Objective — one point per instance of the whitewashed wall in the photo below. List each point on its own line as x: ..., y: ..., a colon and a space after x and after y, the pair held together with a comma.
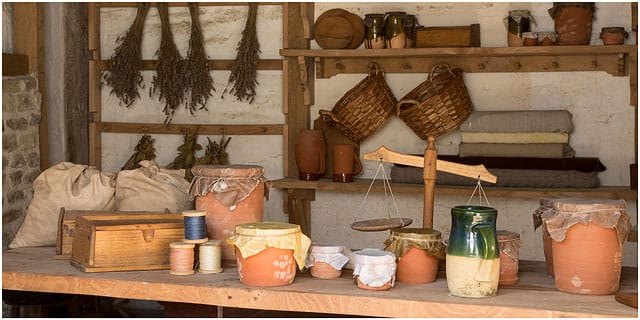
x: 603, y: 118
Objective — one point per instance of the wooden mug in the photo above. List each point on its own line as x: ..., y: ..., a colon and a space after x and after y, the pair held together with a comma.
x: 346, y: 163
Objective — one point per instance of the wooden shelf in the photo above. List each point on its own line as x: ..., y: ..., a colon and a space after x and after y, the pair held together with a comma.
x: 34, y: 269
x: 362, y: 185
x: 611, y: 59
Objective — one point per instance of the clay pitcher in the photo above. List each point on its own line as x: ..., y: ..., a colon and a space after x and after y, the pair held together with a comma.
x: 310, y: 152
x: 473, y: 257
x: 346, y: 163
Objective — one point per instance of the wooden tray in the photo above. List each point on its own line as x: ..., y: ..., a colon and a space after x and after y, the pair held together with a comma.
x: 381, y: 224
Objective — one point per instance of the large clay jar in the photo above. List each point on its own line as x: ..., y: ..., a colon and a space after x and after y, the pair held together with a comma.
x: 573, y: 22
x: 509, y: 244
x: 588, y: 235
x: 268, y: 252
x: 231, y: 195
x: 326, y: 260
x: 374, y: 269
x: 310, y: 154
x: 419, y: 251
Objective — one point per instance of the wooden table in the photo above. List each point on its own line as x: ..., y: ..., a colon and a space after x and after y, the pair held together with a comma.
x: 34, y: 269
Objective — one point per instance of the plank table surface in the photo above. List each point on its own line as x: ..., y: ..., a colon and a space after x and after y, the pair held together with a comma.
x: 35, y: 269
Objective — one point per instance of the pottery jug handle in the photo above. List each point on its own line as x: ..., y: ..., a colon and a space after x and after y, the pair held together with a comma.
x: 488, y: 238
x: 357, y: 164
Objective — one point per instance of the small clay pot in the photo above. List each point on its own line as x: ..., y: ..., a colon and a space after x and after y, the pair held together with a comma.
x: 529, y: 39
x: 323, y: 270
x: 271, y: 267
x: 415, y: 266
x: 385, y: 286
x: 546, y: 38
x: 613, y: 35
x: 509, y: 243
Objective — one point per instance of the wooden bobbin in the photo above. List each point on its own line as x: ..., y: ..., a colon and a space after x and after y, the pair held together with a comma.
x: 181, y: 258
x: 196, y: 214
x: 210, y: 257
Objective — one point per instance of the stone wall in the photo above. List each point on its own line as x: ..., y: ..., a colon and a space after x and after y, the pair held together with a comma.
x: 20, y: 150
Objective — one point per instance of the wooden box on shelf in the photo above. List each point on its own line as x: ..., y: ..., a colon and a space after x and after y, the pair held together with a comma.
x: 125, y: 242
x: 460, y: 36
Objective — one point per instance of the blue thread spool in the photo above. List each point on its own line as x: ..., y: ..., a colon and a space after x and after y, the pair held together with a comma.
x: 195, y: 226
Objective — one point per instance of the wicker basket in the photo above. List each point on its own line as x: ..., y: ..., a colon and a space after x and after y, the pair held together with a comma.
x: 364, y: 108
x: 438, y: 105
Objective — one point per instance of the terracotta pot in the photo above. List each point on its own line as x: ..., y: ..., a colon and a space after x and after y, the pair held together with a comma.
x: 385, y: 286
x: 271, y: 267
x: 573, y: 22
x: 509, y: 243
x: 324, y: 270
x: 415, y: 266
x: 588, y: 261
x: 613, y: 35
x: 346, y: 163
x: 310, y: 153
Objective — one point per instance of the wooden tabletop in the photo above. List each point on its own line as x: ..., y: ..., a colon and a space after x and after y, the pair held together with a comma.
x: 34, y: 269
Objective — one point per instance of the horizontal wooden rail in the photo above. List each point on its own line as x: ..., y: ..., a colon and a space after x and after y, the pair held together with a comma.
x: 244, y: 129
x: 265, y: 64
x: 182, y: 4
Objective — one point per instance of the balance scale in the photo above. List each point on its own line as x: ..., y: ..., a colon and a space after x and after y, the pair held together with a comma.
x: 431, y: 164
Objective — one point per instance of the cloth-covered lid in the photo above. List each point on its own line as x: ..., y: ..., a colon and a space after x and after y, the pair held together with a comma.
x: 333, y: 254
x: 326, y: 248
x: 504, y: 235
x: 402, y: 239
x: 230, y: 184
x: 225, y: 171
x: 374, y: 267
x: 373, y: 256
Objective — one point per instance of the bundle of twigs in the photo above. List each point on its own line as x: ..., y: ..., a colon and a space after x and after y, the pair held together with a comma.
x: 215, y: 153
x: 124, y: 75
x: 144, y: 150
x: 186, y: 157
x: 170, y: 76
x: 197, y: 73
x: 243, y: 71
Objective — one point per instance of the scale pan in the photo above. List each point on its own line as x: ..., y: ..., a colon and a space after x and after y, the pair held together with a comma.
x: 381, y: 224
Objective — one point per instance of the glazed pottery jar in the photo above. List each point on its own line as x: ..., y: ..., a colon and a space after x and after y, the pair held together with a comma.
x: 410, y: 24
x: 588, y: 235
x: 374, y: 31
x: 374, y: 269
x: 573, y: 22
x: 419, y: 250
x: 613, y: 35
x: 473, y: 258
x: 268, y: 252
x: 518, y: 22
x: 325, y: 261
x: 231, y: 195
x: 310, y: 151
x: 394, y: 30
x: 509, y: 244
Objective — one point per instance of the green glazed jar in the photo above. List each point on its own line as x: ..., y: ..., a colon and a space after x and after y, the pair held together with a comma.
x: 473, y: 256
x: 374, y: 31
x: 394, y: 29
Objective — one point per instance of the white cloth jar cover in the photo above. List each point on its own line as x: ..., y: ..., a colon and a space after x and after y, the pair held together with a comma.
x: 375, y: 267
x: 332, y: 254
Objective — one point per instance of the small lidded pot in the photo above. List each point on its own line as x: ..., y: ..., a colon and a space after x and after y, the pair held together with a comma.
x: 546, y: 38
x: 613, y: 35
x: 509, y: 244
x: 530, y: 39
x: 325, y: 261
x: 374, y: 269
x: 419, y: 251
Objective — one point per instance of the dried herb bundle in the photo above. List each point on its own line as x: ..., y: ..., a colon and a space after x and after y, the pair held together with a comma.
x: 215, y: 153
x: 196, y: 70
x: 124, y: 75
x: 243, y: 71
x: 144, y: 150
x: 170, y: 76
x: 186, y: 157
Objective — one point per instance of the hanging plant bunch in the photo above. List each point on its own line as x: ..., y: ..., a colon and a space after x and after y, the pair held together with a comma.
x: 144, y: 150
x: 243, y: 70
x: 215, y: 153
x: 197, y: 71
x: 124, y: 75
x: 170, y: 80
x: 186, y: 157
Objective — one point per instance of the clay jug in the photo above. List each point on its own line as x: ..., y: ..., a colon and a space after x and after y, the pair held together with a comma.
x: 473, y: 258
x: 310, y: 153
x: 346, y: 163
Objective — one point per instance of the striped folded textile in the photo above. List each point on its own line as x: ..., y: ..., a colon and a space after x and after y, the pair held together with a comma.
x: 515, y: 137
x: 525, y: 150
x: 519, y: 121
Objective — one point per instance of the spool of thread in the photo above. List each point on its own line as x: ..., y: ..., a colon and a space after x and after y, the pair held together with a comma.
x: 195, y: 226
x: 210, y: 257
x: 181, y: 257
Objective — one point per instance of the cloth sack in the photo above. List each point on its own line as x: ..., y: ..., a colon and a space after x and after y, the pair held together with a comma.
x: 152, y: 188
x: 68, y: 185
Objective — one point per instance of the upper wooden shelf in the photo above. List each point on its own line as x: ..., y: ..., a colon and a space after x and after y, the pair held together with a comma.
x: 610, y: 59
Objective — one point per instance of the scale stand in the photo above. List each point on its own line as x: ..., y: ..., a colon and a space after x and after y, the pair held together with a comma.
x: 431, y: 164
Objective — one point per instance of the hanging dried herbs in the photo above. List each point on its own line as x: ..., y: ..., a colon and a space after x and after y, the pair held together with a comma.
x: 124, y: 75
x: 169, y: 80
x: 197, y: 73
x: 186, y: 157
x: 144, y: 150
x: 215, y: 153
x: 243, y: 71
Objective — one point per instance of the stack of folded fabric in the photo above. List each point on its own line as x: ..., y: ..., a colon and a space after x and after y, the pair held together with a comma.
x: 522, y: 148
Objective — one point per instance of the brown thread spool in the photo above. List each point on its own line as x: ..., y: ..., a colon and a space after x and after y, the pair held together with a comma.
x: 181, y: 257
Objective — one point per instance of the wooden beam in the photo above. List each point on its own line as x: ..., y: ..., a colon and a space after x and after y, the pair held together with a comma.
x: 265, y: 64
x: 122, y: 127
x: 15, y: 64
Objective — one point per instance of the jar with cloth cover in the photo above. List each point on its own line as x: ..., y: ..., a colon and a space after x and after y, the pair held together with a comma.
x: 268, y: 252
x: 374, y: 269
x: 509, y: 244
x: 543, y: 212
x: 231, y: 195
x: 325, y: 261
x: 419, y: 251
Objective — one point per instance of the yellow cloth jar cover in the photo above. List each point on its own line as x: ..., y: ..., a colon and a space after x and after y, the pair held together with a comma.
x: 252, y: 238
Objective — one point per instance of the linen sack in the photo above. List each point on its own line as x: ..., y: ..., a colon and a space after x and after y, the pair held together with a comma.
x: 152, y: 188
x: 68, y: 185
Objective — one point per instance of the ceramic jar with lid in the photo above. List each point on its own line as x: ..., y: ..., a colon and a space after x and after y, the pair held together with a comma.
x: 613, y: 35
x: 325, y: 261
x: 546, y: 38
x: 529, y: 39
x: 374, y: 269
x: 374, y: 25
x: 509, y: 244
x: 419, y: 251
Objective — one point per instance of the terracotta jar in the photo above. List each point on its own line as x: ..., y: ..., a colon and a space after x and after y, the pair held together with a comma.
x: 544, y: 211
x: 374, y: 31
x: 231, y: 195
x: 509, y: 244
x: 346, y: 163
x: 326, y: 260
x: 310, y: 151
x: 588, y: 235
x: 374, y: 269
x: 419, y: 251
x: 613, y: 35
x: 573, y: 22
x: 395, y: 35
x: 530, y: 39
x: 268, y: 252
x: 546, y: 38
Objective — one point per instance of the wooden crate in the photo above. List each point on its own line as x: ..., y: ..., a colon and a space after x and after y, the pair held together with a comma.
x: 437, y: 37
x: 125, y: 242
x: 67, y: 225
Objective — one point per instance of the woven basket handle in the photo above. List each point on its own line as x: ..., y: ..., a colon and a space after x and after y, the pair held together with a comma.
x: 439, y: 66
x: 374, y: 69
x: 405, y: 101
x: 327, y: 113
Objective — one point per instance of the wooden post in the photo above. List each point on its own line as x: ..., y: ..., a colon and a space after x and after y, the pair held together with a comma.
x: 429, y: 177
